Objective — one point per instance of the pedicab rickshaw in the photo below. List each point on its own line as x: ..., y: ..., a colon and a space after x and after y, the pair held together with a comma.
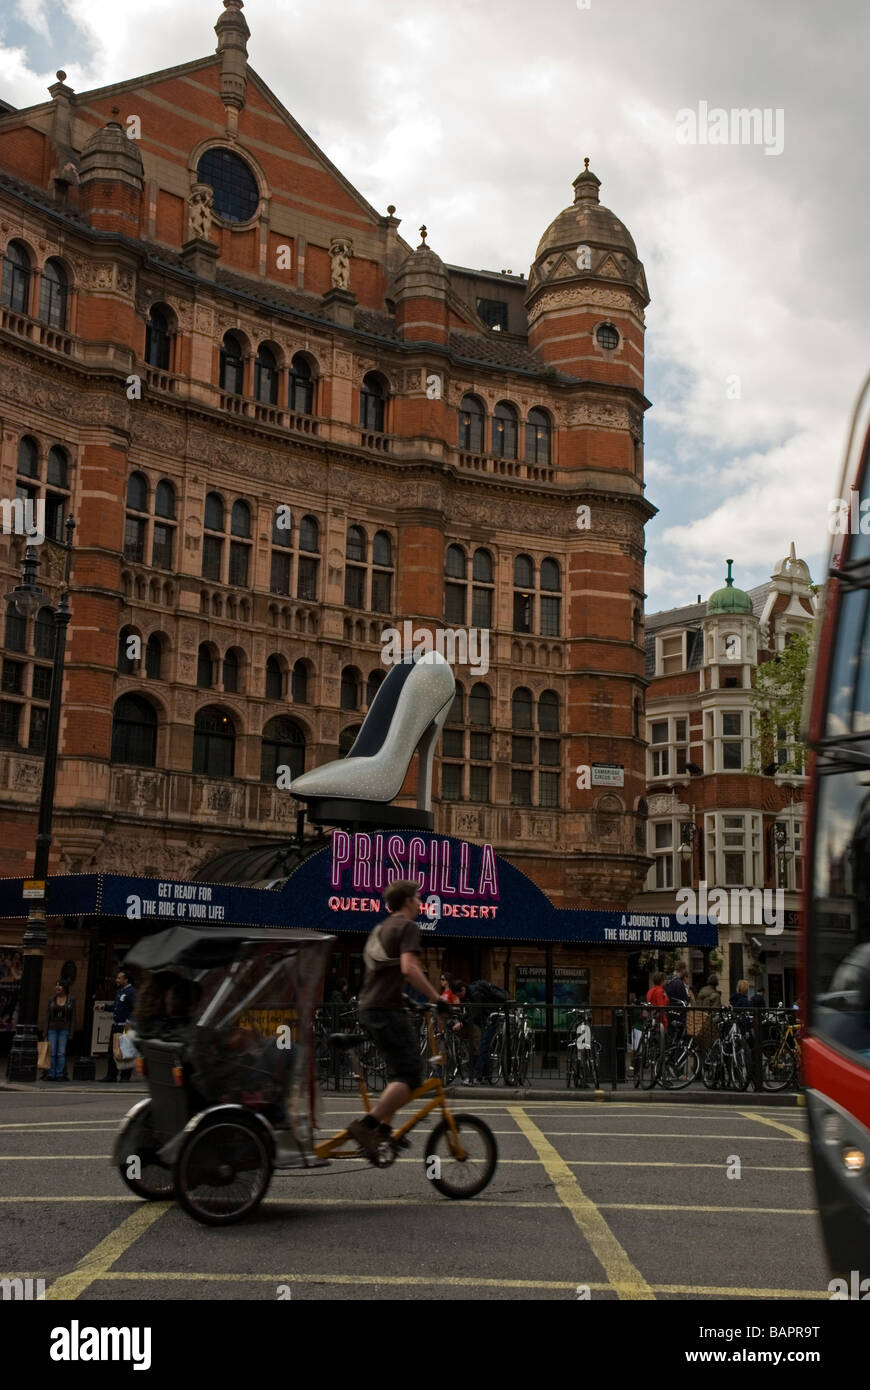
x: 231, y: 1084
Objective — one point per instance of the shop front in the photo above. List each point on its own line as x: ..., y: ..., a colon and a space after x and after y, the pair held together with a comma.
x: 482, y: 918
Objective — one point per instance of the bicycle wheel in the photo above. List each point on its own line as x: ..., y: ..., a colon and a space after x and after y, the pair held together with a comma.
x: 647, y: 1065
x: 138, y: 1147
x: 777, y: 1066
x: 738, y: 1066
x: 711, y: 1067
x: 680, y: 1067
x: 571, y: 1068
x: 465, y: 1177
x: 223, y: 1170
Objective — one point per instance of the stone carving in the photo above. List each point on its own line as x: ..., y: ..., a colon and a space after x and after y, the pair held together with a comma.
x: 200, y: 210
x: 184, y: 315
x: 590, y: 294
x: 125, y: 280
x: 23, y: 386
x: 466, y: 823
x: 158, y: 435
x: 204, y: 318
x: 27, y: 775
x: 613, y: 417
x: 665, y: 804
x: 342, y: 363
x: 340, y: 252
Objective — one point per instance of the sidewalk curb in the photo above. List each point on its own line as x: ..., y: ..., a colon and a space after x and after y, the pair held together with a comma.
x: 791, y: 1100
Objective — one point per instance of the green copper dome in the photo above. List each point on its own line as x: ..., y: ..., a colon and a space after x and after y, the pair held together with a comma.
x: 729, y: 599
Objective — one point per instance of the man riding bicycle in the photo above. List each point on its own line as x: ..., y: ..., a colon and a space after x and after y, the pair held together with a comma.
x: 391, y: 958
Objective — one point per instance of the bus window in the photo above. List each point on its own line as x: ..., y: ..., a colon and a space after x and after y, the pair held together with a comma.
x: 839, y: 974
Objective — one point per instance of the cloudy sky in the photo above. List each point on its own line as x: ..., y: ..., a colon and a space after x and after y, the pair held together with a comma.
x: 475, y: 115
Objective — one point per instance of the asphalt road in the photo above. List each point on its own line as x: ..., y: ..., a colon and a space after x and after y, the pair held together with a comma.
x: 589, y: 1200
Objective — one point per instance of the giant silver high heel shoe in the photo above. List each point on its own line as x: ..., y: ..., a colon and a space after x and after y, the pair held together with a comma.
x: 407, y: 715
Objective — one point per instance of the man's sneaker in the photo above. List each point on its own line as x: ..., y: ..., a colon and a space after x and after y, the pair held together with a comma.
x: 368, y: 1139
x: 386, y: 1132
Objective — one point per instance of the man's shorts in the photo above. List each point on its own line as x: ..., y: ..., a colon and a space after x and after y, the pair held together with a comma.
x: 393, y: 1034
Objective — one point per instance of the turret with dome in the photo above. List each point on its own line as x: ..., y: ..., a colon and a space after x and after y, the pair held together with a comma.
x: 729, y: 599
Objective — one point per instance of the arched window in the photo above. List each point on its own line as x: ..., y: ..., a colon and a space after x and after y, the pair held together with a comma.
x: 53, y: 295
x: 548, y: 711
x: 231, y: 672
x: 354, y: 574
x: 551, y: 603
x: 308, y: 534
x: 347, y: 738
x: 204, y: 667
x: 236, y: 193
x: 57, y: 470
x: 129, y: 643
x: 214, y: 743
x: 471, y: 420
x: 349, y: 688
x: 504, y: 431
x: 482, y: 589
x: 521, y: 708
x: 382, y: 573
x: 300, y: 683
x: 164, y: 500
x: 372, y: 400
x: 274, y: 679
x: 134, y: 732
x: 232, y: 365
x: 154, y: 657
x: 538, y: 431
x: 266, y: 376
x: 28, y: 457
x: 43, y: 634
x: 137, y: 493
x: 479, y: 702
x: 15, y: 283
x: 301, y: 386
x: 524, y: 600
x: 457, y: 709
x: 373, y: 685
x: 157, y: 340
x: 214, y: 512
x: 454, y: 562
x: 240, y: 550
x: 283, y: 745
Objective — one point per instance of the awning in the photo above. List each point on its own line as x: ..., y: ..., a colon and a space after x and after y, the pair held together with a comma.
x: 469, y: 892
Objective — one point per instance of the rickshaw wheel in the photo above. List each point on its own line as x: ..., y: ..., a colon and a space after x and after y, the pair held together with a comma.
x: 461, y: 1178
x: 224, y: 1169
x: 156, y: 1182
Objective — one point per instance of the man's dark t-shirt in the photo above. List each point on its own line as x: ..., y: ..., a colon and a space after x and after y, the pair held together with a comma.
x: 382, y: 987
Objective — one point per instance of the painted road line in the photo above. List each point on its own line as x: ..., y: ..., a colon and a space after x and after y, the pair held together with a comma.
x: 452, y: 1281
x: 776, y: 1124
x: 665, y: 1209
x: 99, y: 1261
x: 622, y: 1275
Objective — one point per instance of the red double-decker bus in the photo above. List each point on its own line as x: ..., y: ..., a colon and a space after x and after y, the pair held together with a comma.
x: 836, y: 946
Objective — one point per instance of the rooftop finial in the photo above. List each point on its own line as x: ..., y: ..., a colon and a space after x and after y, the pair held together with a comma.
x: 586, y: 162
x: 729, y: 582
x: 423, y: 234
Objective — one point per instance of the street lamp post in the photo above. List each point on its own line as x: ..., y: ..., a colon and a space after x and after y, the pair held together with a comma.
x: 27, y: 597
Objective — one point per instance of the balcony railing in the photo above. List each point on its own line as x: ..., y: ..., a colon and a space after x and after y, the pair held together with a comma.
x: 504, y: 467
x: 35, y: 332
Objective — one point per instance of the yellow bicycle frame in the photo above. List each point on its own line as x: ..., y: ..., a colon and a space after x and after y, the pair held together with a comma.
x: 433, y: 1087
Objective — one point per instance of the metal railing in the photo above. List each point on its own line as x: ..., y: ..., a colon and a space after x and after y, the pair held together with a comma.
x: 584, y: 1046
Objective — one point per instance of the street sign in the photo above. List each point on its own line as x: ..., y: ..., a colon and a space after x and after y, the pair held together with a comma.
x: 34, y: 888
x: 608, y: 775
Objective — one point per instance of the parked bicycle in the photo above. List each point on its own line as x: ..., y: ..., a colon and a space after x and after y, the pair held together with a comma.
x: 512, y: 1046
x: 727, y: 1063
x: 781, y: 1051
x: 584, y: 1052
x: 667, y: 1054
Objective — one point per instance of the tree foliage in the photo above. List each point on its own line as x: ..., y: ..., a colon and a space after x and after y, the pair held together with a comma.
x: 778, y: 698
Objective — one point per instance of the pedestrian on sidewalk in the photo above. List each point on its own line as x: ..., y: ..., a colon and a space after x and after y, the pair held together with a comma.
x: 122, y: 1009
x: 59, y: 1025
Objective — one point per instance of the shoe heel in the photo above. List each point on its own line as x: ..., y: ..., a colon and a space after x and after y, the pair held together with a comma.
x: 426, y: 752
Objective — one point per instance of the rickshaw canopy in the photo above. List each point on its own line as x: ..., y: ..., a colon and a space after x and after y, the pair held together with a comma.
x: 205, y: 948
